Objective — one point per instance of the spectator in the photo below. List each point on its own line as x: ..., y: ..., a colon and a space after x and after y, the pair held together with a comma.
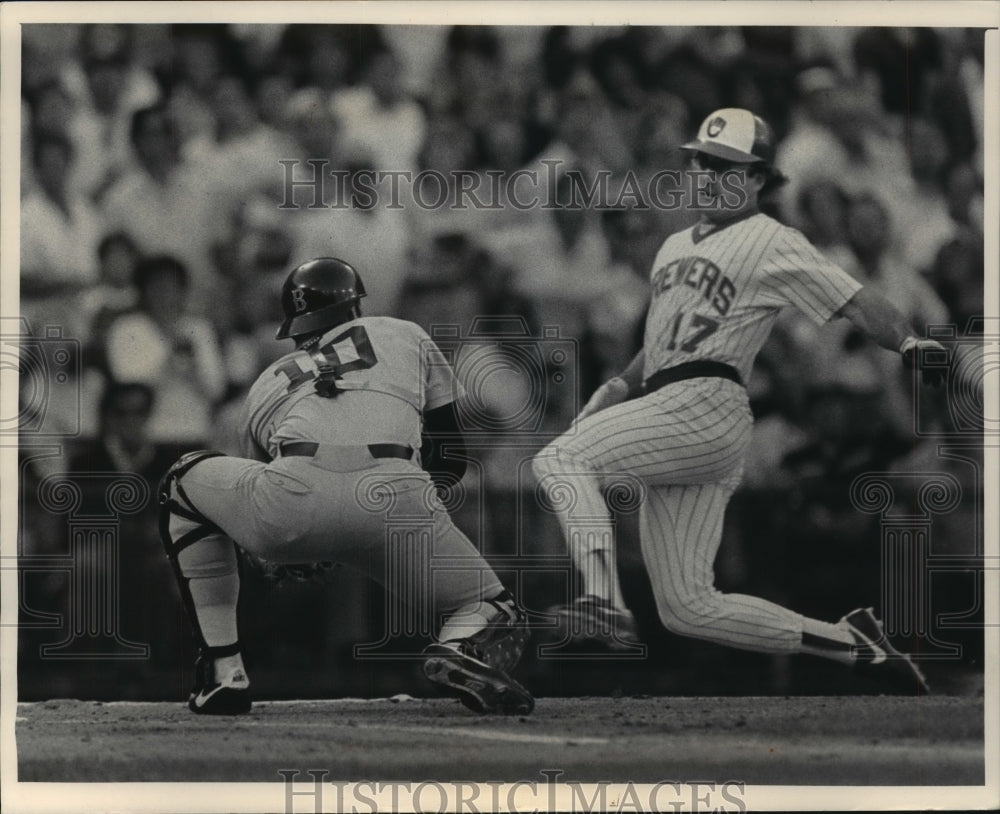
x: 947, y: 101
x: 615, y: 66
x: 563, y: 266
x: 242, y: 157
x: 664, y: 126
x: 59, y: 236
x: 619, y: 309
x: 164, y: 206
x: 900, y: 61
x: 164, y: 345
x: 142, y: 573
x: 441, y: 284
x: 108, y: 86
x: 362, y: 227
x: 449, y: 145
x: 471, y: 69
x: 272, y: 90
x: 379, y: 118
x: 834, y: 134
x: 586, y: 126
x: 921, y: 207
x: 957, y: 275
x: 113, y: 295
x: 337, y: 55
x: 52, y: 109
x: 419, y: 49
x: 691, y: 70
x: 266, y: 256
x: 831, y: 358
x: 315, y: 131
x: 871, y: 237
x: 964, y: 191
x: 46, y: 110
x: 123, y: 443
x: 822, y: 216
x: 762, y: 76
x: 199, y: 55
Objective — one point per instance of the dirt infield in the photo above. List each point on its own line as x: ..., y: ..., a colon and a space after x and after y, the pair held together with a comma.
x: 788, y: 741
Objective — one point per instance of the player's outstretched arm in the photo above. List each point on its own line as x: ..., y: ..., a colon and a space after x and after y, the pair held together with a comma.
x: 622, y: 387
x: 882, y: 322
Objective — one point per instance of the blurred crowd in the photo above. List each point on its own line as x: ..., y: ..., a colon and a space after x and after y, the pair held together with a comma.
x: 157, y: 222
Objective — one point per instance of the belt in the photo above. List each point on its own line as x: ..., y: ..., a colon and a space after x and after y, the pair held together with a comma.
x: 691, y: 370
x: 307, y: 449
x: 343, y: 458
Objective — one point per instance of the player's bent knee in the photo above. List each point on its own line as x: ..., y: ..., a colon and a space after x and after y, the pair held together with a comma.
x: 175, y: 505
x: 687, y: 616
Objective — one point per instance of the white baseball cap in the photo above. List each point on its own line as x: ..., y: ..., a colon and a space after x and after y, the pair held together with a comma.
x: 734, y: 134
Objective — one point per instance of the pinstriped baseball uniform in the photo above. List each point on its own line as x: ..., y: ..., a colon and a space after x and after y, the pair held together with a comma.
x: 716, y: 293
x: 331, y: 506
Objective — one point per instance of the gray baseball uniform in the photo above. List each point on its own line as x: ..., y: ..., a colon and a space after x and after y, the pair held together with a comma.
x: 322, y: 475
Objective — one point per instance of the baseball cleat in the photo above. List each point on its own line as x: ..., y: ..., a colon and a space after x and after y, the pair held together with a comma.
x: 231, y: 696
x: 501, y: 643
x: 592, y: 619
x: 875, y: 655
x: 479, y: 687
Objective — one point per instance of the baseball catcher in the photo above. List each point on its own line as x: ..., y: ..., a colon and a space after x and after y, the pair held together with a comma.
x: 344, y: 428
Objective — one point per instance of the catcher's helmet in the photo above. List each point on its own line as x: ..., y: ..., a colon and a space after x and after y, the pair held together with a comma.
x: 736, y: 135
x: 318, y: 294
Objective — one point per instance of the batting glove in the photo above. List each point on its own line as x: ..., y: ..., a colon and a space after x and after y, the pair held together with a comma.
x: 613, y: 391
x: 928, y: 356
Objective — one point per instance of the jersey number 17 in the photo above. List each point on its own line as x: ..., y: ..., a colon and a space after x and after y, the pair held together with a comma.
x: 696, y: 331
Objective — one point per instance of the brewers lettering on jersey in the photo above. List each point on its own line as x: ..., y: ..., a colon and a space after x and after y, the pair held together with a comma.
x: 342, y: 429
x: 679, y: 417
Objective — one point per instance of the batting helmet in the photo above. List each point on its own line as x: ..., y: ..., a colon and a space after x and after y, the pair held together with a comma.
x: 736, y: 135
x: 318, y: 294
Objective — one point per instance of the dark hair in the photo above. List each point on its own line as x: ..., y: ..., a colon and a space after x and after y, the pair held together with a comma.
x: 805, y: 195
x: 111, y: 239
x: 867, y: 198
x: 452, y: 242
x: 157, y: 266
x: 43, y: 140
x: 478, y: 39
x: 115, y: 392
x: 247, y: 81
x: 774, y: 178
x: 142, y: 116
x: 94, y: 51
x: 34, y: 97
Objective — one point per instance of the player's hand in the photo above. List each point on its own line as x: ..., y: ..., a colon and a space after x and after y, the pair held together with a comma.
x: 613, y: 391
x: 928, y: 356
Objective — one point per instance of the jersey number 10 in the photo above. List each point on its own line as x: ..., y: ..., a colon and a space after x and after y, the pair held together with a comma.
x: 350, y: 350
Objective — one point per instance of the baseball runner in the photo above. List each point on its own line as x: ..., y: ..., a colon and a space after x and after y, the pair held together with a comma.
x: 678, y: 416
x: 336, y: 433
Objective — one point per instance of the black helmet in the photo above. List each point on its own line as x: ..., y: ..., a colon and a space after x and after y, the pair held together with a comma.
x: 318, y: 294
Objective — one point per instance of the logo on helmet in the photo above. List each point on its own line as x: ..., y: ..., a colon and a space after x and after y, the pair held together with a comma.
x: 715, y: 126
x: 298, y: 299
